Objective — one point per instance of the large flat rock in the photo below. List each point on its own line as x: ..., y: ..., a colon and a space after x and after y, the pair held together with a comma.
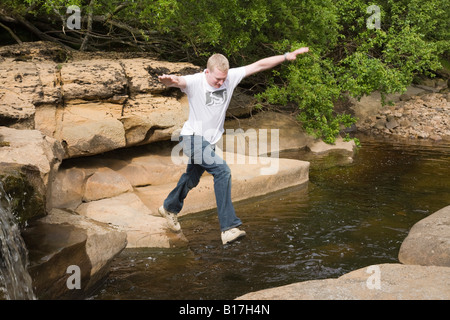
x: 254, y: 176
x: 395, y: 282
x: 128, y: 214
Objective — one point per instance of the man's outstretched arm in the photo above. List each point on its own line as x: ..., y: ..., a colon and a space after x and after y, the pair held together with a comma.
x: 271, y: 62
x: 172, y: 81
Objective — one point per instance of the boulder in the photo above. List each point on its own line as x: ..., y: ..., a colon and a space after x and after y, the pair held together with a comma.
x: 376, y: 282
x: 91, y: 128
x: 148, y: 118
x: 105, y: 183
x: 37, y: 155
x: 428, y: 241
x: 128, y: 214
x: 63, y: 239
x: 68, y: 188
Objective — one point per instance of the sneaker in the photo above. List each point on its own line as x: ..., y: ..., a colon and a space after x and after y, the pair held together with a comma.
x: 231, y: 235
x: 171, y: 218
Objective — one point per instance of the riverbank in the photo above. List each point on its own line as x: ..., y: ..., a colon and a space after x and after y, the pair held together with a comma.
x: 421, y: 113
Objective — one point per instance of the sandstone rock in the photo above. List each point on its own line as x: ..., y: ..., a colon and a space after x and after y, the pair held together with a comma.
x: 380, y: 124
x: 397, y: 282
x: 151, y: 169
x: 251, y: 177
x: 391, y: 124
x: 105, y: 183
x: 50, y: 91
x: 143, y: 73
x: 64, y: 98
x: 64, y: 239
x: 48, y: 118
x: 405, y: 97
x: 51, y: 250
x: 68, y: 188
x: 19, y: 83
x: 428, y: 241
x: 93, y: 79
x: 128, y: 214
x: 149, y: 118
x: 91, y: 128
x: 242, y: 135
x: 16, y: 110
x: 24, y: 86
x: 32, y: 149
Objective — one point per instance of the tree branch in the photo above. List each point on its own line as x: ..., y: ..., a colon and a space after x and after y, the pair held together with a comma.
x: 11, y: 33
x: 89, y: 26
x: 21, y: 20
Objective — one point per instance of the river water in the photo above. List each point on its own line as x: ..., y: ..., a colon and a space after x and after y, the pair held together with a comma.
x: 350, y: 215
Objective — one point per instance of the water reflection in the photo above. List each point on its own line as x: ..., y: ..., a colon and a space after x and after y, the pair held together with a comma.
x: 348, y: 216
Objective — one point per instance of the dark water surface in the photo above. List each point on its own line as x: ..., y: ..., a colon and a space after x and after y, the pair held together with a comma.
x: 347, y: 217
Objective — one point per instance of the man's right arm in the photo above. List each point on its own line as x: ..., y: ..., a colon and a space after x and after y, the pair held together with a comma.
x: 173, y: 81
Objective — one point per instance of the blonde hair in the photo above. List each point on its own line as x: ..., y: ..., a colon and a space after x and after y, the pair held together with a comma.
x: 218, y: 61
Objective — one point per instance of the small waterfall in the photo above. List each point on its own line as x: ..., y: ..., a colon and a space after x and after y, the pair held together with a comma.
x: 15, y: 281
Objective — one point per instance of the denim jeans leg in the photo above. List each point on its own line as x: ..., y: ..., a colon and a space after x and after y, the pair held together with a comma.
x: 221, y: 173
x: 203, y: 157
x: 188, y: 180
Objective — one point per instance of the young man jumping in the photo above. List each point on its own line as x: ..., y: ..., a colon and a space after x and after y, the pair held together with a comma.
x: 209, y: 95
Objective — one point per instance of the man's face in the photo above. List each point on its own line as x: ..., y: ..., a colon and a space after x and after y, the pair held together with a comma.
x: 216, y: 77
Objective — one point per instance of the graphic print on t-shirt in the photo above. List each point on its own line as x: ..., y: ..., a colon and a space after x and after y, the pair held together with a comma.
x: 216, y: 98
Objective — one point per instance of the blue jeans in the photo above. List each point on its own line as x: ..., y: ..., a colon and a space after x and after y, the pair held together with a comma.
x: 202, y: 157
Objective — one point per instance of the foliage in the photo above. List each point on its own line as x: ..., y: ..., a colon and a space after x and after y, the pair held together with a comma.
x: 346, y: 57
x: 311, y: 84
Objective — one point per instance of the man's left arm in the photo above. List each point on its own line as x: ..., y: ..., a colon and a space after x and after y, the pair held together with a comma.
x: 271, y: 62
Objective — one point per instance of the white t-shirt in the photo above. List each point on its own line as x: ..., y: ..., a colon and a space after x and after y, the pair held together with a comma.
x: 208, y: 105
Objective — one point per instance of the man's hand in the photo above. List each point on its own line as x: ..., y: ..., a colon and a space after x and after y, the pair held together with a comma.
x: 291, y: 56
x: 172, y: 81
x: 270, y: 62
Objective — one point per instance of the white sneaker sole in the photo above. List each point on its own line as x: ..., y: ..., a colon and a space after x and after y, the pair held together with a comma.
x: 241, y: 235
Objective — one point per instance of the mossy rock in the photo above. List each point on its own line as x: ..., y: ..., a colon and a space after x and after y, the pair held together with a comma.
x: 26, y: 197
